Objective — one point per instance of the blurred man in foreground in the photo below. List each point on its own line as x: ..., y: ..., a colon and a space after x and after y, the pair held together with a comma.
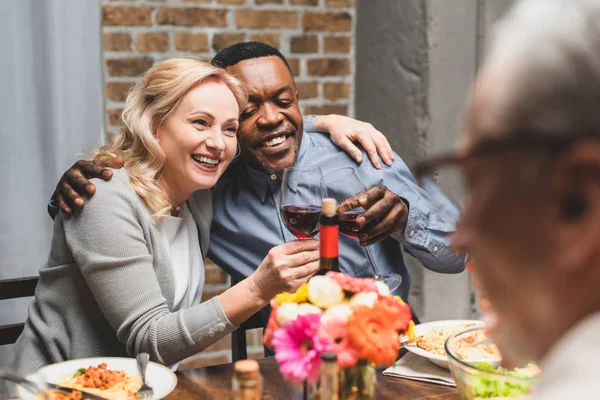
x: 530, y: 159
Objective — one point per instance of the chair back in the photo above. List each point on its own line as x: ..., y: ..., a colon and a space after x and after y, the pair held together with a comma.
x: 14, y: 289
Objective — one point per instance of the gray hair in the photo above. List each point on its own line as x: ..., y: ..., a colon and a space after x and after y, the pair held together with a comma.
x: 546, y: 54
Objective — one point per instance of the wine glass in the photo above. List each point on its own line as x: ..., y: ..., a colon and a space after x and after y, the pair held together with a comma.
x: 301, y: 200
x: 341, y: 185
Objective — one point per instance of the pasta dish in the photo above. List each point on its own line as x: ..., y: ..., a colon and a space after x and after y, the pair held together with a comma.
x: 475, y: 346
x: 434, y: 340
x: 101, y: 381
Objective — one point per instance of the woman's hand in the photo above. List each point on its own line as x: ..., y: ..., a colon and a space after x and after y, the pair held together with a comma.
x: 344, y: 131
x: 285, y: 268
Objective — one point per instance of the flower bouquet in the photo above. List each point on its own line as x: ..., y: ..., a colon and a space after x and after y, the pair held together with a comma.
x: 357, y: 318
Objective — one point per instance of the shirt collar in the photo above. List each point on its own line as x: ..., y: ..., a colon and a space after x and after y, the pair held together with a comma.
x: 260, y: 180
x: 564, y: 358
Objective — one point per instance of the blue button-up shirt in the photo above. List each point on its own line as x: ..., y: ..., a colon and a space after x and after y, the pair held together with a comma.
x: 247, y: 222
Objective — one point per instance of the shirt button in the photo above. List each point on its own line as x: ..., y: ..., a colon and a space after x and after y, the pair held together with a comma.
x: 411, y: 234
x: 274, y: 177
x: 435, y: 248
x: 211, y: 333
x: 200, y: 339
x: 221, y: 328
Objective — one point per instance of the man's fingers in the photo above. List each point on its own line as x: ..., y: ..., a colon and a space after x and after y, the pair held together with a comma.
x: 349, y: 204
x: 298, y: 246
x: 384, y: 226
x: 373, y: 239
x: 100, y: 171
x: 372, y: 196
x: 378, y: 210
x: 363, y: 199
x: 62, y: 203
x: 350, y: 148
x: 115, y: 163
x: 367, y: 142
x: 71, y: 196
x: 79, y: 182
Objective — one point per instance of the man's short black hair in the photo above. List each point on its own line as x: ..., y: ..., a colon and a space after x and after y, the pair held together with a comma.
x: 238, y: 52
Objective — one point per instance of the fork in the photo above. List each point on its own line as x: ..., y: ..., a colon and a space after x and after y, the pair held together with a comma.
x: 145, y: 391
x: 406, y: 342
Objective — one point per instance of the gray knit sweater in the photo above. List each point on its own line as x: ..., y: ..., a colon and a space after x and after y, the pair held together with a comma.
x: 107, y: 288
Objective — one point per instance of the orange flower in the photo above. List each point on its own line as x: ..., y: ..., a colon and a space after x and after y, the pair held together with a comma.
x: 397, y: 311
x: 272, y: 325
x: 373, y: 333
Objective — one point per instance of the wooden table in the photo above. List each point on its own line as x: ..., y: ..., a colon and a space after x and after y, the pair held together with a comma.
x: 214, y: 383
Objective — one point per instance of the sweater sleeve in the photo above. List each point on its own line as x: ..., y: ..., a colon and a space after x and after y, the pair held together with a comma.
x: 108, y: 244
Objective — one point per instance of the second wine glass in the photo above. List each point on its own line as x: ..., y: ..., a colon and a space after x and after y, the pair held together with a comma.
x: 342, y: 184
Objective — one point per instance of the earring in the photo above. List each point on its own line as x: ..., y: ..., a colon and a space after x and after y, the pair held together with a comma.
x: 237, y: 153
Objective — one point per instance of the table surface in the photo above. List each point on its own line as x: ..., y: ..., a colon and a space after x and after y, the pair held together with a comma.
x: 214, y: 383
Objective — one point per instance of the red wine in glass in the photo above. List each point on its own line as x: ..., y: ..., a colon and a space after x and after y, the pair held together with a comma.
x: 348, y: 225
x: 301, y: 221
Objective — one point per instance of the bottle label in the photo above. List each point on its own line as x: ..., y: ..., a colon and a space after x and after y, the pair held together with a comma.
x: 329, y: 241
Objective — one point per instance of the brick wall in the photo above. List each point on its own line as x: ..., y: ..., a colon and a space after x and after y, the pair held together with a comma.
x: 316, y: 36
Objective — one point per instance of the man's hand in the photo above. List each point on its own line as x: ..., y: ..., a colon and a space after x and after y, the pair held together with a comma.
x: 385, y: 213
x: 74, y: 183
x: 344, y: 131
x: 285, y: 268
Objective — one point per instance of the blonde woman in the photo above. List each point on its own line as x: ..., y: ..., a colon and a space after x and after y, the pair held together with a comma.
x: 125, y: 274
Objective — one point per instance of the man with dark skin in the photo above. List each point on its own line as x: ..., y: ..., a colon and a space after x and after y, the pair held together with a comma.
x: 246, y: 219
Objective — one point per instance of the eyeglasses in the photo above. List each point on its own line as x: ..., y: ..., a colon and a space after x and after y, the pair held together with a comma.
x: 445, y: 167
x: 499, y: 145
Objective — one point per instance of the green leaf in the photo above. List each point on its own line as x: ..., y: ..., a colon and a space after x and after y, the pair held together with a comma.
x: 79, y: 372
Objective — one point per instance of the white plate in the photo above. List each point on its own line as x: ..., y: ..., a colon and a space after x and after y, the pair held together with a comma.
x: 161, y: 378
x: 422, y: 329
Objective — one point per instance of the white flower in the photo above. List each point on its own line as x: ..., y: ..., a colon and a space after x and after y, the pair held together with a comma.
x: 287, y: 312
x: 339, y: 311
x: 307, y: 308
x: 324, y: 292
x: 364, y: 299
x: 382, y: 288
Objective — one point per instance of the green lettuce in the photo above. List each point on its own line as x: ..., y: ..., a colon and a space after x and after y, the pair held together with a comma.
x: 485, y: 387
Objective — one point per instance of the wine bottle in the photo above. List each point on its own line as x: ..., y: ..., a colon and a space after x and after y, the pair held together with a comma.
x: 247, y: 381
x: 329, y: 236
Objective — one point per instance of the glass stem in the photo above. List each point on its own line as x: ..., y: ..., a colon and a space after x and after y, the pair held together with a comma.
x: 372, y: 261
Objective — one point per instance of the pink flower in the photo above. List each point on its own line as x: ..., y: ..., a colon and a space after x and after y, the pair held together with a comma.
x: 298, y: 348
x: 354, y: 285
x: 337, y: 334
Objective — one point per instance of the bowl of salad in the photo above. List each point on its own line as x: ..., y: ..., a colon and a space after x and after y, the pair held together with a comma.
x: 480, y: 379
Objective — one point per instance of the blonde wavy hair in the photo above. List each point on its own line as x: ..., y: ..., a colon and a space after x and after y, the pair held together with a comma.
x: 148, y: 105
